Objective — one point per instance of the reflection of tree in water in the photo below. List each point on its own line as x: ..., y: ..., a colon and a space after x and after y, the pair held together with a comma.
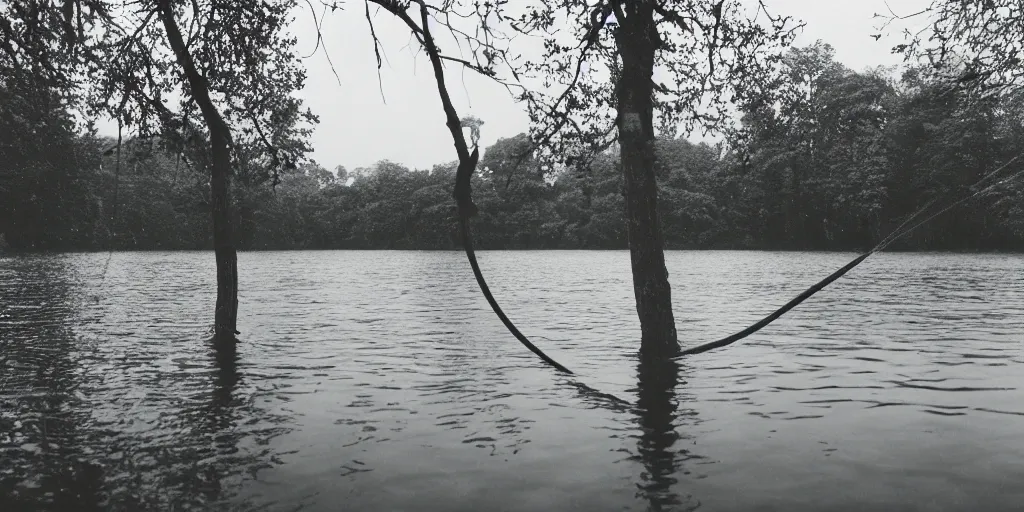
x: 659, y: 448
x: 200, y: 455
x: 68, y: 443
x: 657, y: 412
x: 43, y: 444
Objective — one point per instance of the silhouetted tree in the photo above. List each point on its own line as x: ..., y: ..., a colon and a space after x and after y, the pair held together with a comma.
x: 652, y: 63
x: 234, y: 65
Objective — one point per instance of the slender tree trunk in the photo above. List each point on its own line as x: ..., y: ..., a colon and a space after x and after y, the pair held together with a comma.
x: 226, y: 313
x: 637, y: 39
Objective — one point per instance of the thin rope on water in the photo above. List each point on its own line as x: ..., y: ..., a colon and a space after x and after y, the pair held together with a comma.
x: 1003, y: 181
x: 113, y: 213
x: 898, y: 233
x: 893, y: 235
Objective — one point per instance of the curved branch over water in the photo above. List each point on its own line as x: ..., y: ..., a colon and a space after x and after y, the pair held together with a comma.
x: 467, y: 163
x: 467, y: 244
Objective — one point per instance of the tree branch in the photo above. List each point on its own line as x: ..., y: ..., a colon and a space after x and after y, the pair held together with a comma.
x: 376, y: 50
x: 467, y: 163
x: 198, y: 85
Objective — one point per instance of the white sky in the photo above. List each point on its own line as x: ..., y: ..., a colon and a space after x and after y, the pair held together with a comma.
x: 357, y: 128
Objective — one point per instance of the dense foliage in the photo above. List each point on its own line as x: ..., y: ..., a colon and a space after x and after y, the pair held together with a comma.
x: 839, y: 162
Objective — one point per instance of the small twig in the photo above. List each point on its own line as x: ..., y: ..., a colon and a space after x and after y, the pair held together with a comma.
x: 271, y: 149
x: 376, y: 51
x: 908, y: 16
x: 134, y: 37
x: 317, y: 24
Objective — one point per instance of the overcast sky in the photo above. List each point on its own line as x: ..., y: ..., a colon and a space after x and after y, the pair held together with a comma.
x: 357, y: 128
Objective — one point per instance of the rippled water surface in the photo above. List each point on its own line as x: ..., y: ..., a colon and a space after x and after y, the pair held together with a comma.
x: 382, y: 381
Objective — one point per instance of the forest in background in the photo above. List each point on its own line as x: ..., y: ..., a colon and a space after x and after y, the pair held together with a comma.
x: 838, y: 163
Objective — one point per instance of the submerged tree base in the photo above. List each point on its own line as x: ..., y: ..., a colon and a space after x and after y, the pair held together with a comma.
x: 224, y: 342
x: 651, y: 350
x: 225, y: 348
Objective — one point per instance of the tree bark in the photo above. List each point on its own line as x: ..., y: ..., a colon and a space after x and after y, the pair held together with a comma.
x: 226, y: 312
x: 637, y: 40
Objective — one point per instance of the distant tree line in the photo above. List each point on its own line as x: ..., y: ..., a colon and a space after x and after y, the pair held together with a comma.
x: 840, y: 161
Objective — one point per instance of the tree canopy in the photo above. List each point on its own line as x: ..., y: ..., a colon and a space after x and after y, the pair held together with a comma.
x: 867, y: 148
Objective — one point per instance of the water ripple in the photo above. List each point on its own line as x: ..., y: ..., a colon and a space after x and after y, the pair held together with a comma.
x: 382, y: 380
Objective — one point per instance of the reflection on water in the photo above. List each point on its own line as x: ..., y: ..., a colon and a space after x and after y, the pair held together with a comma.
x: 41, y: 414
x: 660, y: 445
x: 382, y: 381
x: 96, y: 420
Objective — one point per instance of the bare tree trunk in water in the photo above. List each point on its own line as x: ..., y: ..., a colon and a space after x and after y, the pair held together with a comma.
x: 226, y: 313
x: 637, y: 39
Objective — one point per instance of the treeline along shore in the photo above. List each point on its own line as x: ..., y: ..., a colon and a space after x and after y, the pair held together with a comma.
x: 842, y: 160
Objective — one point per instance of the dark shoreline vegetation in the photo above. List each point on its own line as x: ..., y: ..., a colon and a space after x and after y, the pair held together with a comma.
x: 835, y: 170
x: 46, y: 252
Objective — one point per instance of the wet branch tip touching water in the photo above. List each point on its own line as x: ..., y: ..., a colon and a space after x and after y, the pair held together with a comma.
x: 468, y: 246
x: 467, y: 166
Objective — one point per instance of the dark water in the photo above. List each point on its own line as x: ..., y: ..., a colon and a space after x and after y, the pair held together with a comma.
x: 382, y: 381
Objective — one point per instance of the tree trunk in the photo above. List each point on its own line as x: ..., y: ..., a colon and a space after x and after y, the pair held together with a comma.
x: 637, y: 39
x: 226, y: 312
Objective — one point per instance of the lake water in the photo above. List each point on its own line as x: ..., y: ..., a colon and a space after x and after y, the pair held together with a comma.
x: 382, y: 381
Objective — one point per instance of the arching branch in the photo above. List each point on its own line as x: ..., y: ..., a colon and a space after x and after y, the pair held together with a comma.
x: 467, y: 160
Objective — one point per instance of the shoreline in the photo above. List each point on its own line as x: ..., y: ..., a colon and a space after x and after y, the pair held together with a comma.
x: 10, y: 252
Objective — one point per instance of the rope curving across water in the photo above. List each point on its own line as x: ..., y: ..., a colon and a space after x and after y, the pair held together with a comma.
x: 882, y: 245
